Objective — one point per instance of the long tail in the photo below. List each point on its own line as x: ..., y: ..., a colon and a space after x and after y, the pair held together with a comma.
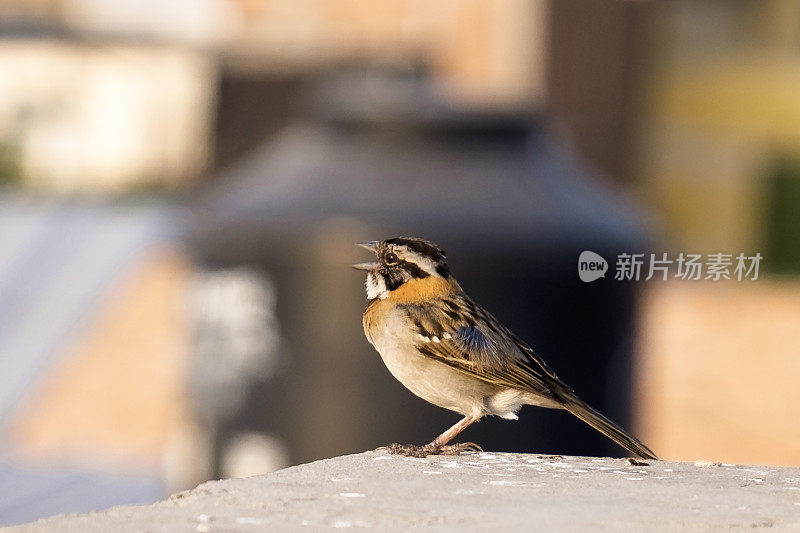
x: 598, y: 421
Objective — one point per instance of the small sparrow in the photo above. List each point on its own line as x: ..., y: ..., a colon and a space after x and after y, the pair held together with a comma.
x: 449, y: 351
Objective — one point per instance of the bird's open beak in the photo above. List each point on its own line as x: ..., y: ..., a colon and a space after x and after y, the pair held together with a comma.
x: 372, y: 246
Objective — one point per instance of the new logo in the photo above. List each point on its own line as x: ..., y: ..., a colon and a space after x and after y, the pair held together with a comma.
x: 591, y: 266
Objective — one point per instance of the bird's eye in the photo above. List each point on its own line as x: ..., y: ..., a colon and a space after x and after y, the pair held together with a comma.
x: 391, y: 258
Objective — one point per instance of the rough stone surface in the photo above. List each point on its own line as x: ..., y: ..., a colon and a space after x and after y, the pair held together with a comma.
x: 473, y: 492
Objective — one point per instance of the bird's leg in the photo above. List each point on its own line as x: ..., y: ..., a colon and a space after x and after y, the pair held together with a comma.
x: 439, y: 444
x: 451, y: 433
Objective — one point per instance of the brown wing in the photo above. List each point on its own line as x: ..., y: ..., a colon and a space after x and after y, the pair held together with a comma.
x: 456, y: 331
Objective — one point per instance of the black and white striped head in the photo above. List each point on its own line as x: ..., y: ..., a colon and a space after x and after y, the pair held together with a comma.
x: 400, y: 260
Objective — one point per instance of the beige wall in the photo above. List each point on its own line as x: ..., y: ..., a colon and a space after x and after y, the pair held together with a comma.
x: 717, y: 371
x: 85, y: 118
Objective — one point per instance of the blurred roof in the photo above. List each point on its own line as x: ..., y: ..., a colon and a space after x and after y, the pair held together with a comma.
x: 57, y: 258
x: 393, y: 150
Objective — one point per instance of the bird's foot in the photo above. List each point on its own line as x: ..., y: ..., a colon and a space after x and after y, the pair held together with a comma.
x: 411, y: 450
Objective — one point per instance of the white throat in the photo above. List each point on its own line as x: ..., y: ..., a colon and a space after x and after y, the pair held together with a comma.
x: 376, y: 287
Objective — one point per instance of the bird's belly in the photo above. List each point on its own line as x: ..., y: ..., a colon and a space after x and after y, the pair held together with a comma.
x: 436, y: 382
x: 431, y: 380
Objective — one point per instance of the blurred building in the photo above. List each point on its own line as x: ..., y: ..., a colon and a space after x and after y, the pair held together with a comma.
x: 110, y: 327
x: 93, y: 355
x: 719, y: 113
x: 717, y: 154
x: 81, y: 118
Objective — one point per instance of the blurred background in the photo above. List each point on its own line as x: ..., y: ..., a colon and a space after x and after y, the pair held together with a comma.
x: 181, y: 185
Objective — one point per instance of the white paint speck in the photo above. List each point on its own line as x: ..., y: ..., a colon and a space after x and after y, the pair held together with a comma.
x: 450, y: 464
x: 561, y: 465
x: 634, y: 478
x: 431, y: 472
x: 667, y: 470
x: 351, y: 495
x: 382, y: 458
x: 341, y: 524
x: 251, y: 520
x: 338, y: 479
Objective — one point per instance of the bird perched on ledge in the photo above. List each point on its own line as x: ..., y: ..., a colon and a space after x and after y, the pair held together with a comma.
x: 449, y: 351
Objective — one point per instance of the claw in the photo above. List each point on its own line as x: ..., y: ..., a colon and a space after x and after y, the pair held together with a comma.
x: 458, y: 449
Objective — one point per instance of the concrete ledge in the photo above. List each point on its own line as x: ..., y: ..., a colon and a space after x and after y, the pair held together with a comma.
x: 486, y: 491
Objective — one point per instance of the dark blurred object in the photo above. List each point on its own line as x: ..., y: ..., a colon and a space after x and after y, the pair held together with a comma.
x: 592, y: 78
x: 383, y: 155
x: 783, y: 217
x: 252, y: 107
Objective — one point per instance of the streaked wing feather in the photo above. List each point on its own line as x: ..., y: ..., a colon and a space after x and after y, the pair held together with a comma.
x: 459, y: 333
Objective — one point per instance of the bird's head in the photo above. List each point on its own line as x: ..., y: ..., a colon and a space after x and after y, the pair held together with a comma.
x: 400, y: 260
